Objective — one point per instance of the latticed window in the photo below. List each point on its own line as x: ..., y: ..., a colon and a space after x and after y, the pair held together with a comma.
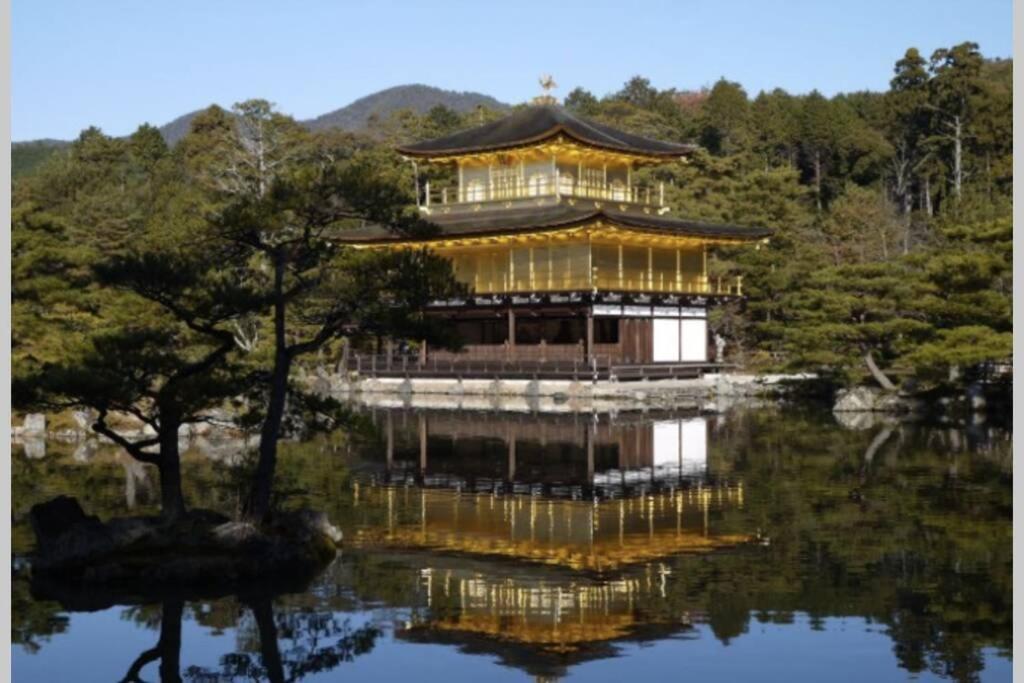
x: 506, y: 181
x: 537, y: 185
x: 565, y: 183
x: 618, y: 189
x: 592, y: 181
x: 475, y: 191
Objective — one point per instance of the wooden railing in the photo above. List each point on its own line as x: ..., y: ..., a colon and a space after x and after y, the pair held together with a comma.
x: 598, y: 368
x: 544, y: 185
x: 640, y: 282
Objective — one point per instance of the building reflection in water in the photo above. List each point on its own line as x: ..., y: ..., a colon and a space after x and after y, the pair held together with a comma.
x: 541, y: 532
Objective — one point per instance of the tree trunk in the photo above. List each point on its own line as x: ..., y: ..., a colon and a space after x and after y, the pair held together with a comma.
x: 258, y: 503
x: 170, y: 641
x: 270, y: 653
x: 927, y: 196
x: 958, y: 173
x: 877, y: 373
x: 817, y: 179
x: 172, y: 500
x: 876, y: 444
x: 167, y: 650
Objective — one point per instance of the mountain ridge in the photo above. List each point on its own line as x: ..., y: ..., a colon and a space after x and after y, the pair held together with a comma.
x: 27, y: 155
x: 353, y: 116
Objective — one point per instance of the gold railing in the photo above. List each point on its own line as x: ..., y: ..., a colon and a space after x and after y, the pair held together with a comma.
x: 544, y: 185
x: 611, y: 283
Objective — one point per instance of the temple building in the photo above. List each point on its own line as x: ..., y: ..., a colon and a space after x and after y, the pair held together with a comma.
x: 567, y: 256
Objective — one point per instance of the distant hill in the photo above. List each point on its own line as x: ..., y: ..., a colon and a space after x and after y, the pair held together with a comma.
x: 29, y: 155
x: 419, y: 98
x: 178, y: 128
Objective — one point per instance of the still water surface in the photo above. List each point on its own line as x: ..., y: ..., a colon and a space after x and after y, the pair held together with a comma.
x: 760, y: 545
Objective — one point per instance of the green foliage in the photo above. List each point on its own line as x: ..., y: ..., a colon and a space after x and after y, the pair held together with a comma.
x: 887, y: 240
x: 891, y: 211
x: 28, y: 157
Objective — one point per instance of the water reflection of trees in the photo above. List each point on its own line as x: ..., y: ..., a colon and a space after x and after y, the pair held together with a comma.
x: 315, y: 642
x: 911, y: 531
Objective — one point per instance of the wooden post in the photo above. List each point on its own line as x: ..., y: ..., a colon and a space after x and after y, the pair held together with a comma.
x: 620, y: 266
x: 679, y: 270
x: 423, y: 443
x: 427, y: 200
x: 510, y: 433
x: 590, y: 335
x: 636, y: 339
x: 511, y: 330
x: 390, y: 450
x: 650, y: 268
x: 423, y: 353
x: 589, y: 436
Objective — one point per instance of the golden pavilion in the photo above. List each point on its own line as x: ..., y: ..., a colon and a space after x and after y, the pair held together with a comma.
x: 567, y: 257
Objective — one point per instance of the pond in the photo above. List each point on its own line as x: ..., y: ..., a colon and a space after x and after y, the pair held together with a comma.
x: 767, y: 543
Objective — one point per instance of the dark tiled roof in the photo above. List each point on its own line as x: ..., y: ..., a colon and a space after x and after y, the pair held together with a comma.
x: 536, y: 123
x: 533, y: 219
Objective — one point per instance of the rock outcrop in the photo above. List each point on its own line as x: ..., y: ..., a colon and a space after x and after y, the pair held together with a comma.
x: 201, y: 547
x: 871, y: 400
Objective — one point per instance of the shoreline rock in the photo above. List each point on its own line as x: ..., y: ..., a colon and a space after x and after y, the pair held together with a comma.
x: 75, y: 546
x: 871, y: 400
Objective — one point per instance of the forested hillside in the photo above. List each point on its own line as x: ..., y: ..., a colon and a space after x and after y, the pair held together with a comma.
x: 357, y: 116
x: 891, y: 260
x: 415, y: 98
x: 892, y: 212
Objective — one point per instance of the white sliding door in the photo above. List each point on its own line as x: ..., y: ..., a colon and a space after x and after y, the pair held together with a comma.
x: 666, y: 340
x: 694, y: 439
x: 666, y: 444
x: 693, y: 340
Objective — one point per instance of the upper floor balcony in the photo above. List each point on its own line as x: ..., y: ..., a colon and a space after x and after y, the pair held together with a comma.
x: 514, y: 189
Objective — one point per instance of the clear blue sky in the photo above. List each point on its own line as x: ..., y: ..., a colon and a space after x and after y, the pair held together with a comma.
x: 117, y: 64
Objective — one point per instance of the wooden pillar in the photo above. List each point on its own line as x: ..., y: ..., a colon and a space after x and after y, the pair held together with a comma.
x: 423, y: 443
x: 423, y: 352
x: 511, y: 436
x: 620, y: 267
x: 390, y: 435
x: 590, y: 336
x: 511, y: 329
x: 589, y: 436
x: 637, y: 332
